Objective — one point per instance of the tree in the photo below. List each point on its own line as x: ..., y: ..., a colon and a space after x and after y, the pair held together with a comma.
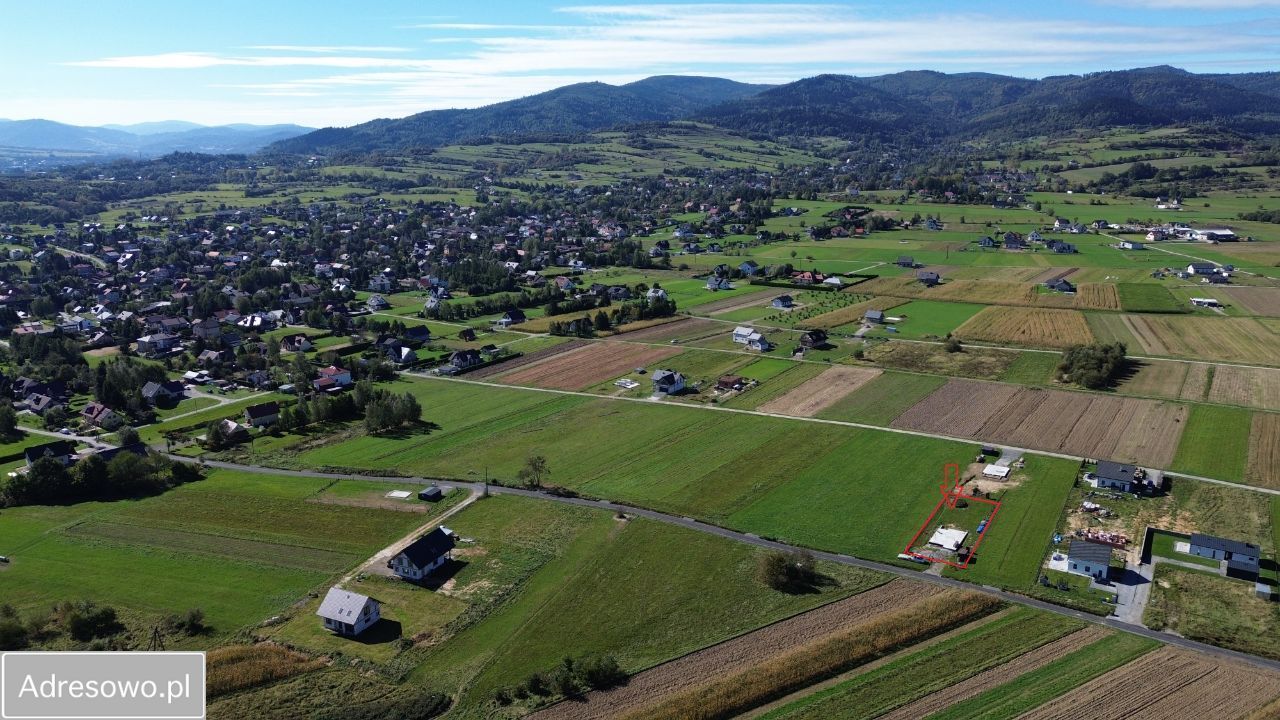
x: 8, y: 421
x: 535, y: 470
x: 1093, y: 366
x: 126, y: 435
x: 215, y: 436
x: 788, y: 572
x: 952, y: 345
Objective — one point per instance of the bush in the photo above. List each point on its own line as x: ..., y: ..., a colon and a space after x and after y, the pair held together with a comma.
x: 87, y: 620
x: 788, y: 572
x: 952, y: 345
x: 1093, y: 366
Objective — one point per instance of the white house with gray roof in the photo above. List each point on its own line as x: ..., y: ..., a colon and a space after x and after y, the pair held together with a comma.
x: 348, y: 613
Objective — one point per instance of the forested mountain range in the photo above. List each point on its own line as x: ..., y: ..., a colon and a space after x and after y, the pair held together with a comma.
x: 923, y: 105
x: 146, y: 139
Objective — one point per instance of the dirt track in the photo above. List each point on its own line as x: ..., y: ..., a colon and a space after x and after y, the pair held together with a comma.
x: 743, y: 651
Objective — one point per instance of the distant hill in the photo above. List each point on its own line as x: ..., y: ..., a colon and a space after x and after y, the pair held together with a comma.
x: 583, y: 107
x: 149, y: 139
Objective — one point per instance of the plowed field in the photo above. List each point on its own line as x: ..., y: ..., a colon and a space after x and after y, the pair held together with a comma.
x: 1264, y: 451
x: 526, y: 359
x: 1167, y: 683
x: 818, y: 394
x: 1256, y: 300
x: 1034, y: 327
x: 692, y: 327
x: 1094, y: 426
x: 653, y: 685
x: 587, y: 366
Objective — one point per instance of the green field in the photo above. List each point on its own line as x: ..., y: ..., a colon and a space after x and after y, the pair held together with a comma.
x: 883, y: 399
x: 1212, y: 609
x: 1031, y: 368
x: 1147, y: 297
x: 1215, y: 442
x: 928, y: 318
x: 241, y: 547
x: 1039, y: 686
x: 871, y: 694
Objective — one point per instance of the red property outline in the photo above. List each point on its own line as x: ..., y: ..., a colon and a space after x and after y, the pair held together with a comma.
x: 951, y: 492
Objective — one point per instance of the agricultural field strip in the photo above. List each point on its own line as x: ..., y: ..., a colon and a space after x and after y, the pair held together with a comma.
x: 756, y: 541
x: 842, y: 423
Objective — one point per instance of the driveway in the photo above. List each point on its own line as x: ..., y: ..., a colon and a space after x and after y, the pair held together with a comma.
x: 1133, y: 589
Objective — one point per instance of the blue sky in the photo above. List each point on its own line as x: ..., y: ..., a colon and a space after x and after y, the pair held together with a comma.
x: 338, y: 63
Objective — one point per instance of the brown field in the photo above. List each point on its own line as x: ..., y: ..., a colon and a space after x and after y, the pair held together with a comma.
x: 818, y: 394
x: 1251, y: 387
x: 1196, y: 385
x: 850, y: 313
x: 1035, y: 327
x: 997, y: 676
x: 1230, y: 339
x: 1097, y: 296
x: 1156, y: 378
x: 1256, y: 300
x: 586, y: 366
x: 651, y: 686
x: 960, y: 408
x: 526, y: 359
x: 1084, y: 424
x: 1167, y: 683
x: 1047, y: 274
x: 689, y: 327
x: 1264, y: 451
x: 236, y: 667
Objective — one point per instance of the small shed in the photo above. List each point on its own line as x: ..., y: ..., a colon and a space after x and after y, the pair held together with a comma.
x: 999, y: 472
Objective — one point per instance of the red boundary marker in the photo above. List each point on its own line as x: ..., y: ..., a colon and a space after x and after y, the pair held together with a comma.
x: 952, y: 491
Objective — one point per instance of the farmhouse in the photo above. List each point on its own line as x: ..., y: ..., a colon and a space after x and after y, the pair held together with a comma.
x: 1060, y: 285
x: 1201, y: 268
x: 813, y: 339
x: 731, y: 382
x: 97, y: 414
x: 1205, y: 302
x: 262, y: 414
x: 906, y: 261
x: 424, y: 555
x: 668, y: 382
x: 1215, y: 235
x: 1089, y: 558
x: 1241, y: 557
x: 783, y: 302
x: 873, y: 316
x: 348, y: 613
x: 928, y: 278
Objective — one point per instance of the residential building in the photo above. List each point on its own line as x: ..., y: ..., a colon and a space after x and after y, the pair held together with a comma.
x: 347, y: 613
x: 424, y: 555
x: 1089, y: 558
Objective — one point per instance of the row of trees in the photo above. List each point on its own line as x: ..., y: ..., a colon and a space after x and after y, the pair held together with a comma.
x: 127, y: 475
x: 570, y: 678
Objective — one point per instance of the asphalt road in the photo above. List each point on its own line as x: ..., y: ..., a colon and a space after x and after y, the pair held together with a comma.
x: 749, y: 539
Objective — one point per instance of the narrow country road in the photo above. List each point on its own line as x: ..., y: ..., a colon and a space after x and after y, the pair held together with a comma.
x: 478, y: 489
x: 377, y: 563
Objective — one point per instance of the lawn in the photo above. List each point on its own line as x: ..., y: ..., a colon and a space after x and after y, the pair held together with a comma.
x: 1215, y: 442
x: 1163, y: 545
x: 928, y: 318
x: 1213, y: 609
x: 1022, y: 531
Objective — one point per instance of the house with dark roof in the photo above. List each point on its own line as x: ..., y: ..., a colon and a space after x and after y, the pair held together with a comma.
x: 1117, y: 476
x: 1060, y: 285
x: 163, y: 393
x: 906, y: 261
x: 423, y: 555
x: 928, y: 278
x: 64, y: 451
x: 262, y: 414
x: 1241, y: 557
x: 97, y: 414
x: 813, y: 339
x: 667, y: 382
x: 1089, y: 558
x: 347, y: 613
x: 783, y: 301
x: 514, y: 316
x: 873, y: 316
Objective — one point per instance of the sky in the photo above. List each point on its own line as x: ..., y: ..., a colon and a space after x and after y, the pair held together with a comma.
x: 327, y: 63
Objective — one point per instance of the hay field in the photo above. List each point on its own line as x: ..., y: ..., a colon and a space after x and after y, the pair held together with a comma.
x: 1251, y: 387
x: 1035, y: 327
x: 1229, y: 339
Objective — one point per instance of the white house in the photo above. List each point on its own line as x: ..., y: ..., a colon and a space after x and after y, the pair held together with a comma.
x: 656, y: 293
x: 669, y: 382
x: 424, y: 555
x: 1201, y: 268
x: 742, y: 334
x: 348, y: 613
x: 1131, y: 245
x: 1089, y: 558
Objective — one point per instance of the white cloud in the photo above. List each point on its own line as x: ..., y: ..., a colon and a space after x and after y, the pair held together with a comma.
x: 763, y: 42
x: 1197, y: 4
